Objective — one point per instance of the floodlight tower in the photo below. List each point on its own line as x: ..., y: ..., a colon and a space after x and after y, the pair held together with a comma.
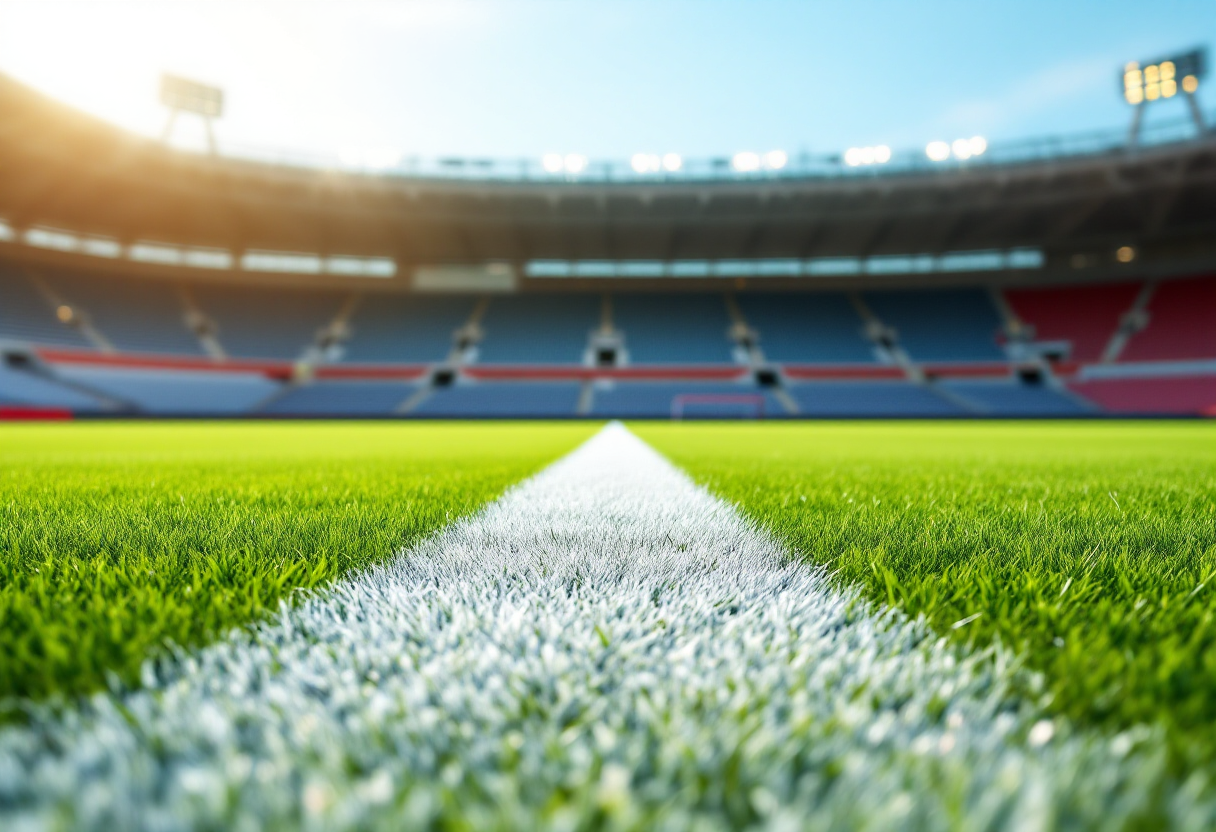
x: 181, y: 95
x: 1161, y: 79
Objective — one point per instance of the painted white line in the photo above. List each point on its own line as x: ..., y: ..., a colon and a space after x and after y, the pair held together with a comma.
x: 607, y: 639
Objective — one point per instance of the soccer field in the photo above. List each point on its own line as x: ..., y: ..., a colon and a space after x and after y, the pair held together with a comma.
x: 928, y: 625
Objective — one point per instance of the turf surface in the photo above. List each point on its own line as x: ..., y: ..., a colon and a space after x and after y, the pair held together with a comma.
x: 1091, y: 547
x: 116, y: 538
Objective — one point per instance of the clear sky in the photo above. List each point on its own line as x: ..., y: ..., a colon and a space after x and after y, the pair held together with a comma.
x: 607, y: 78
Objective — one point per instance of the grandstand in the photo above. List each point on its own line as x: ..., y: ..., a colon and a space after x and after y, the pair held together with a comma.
x: 175, y: 284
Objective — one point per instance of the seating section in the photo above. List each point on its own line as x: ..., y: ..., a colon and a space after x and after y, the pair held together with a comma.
x: 1084, y: 316
x: 25, y: 315
x: 674, y: 329
x: 405, y: 330
x: 941, y: 325
x: 818, y: 328
x: 538, y: 329
x: 342, y: 398
x: 175, y: 393
x: 1011, y: 398
x: 1180, y: 395
x: 664, y: 400
x: 1181, y: 324
x: 28, y: 389
x: 259, y: 322
x: 133, y: 315
x: 503, y: 400
x: 870, y: 398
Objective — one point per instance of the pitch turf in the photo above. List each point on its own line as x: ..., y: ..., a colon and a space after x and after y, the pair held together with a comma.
x: 1091, y: 548
x: 116, y: 538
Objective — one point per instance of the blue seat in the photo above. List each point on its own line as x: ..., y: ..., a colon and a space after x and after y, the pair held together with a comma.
x: 807, y: 328
x: 25, y: 315
x: 943, y: 325
x: 521, y: 399
x: 171, y: 392
x: 409, y: 330
x: 674, y: 329
x: 686, y: 399
x: 538, y: 329
x: 343, y: 398
x: 257, y: 322
x: 1011, y: 398
x: 870, y: 398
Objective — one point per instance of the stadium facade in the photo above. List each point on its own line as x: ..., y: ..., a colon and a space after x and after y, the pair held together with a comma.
x: 1069, y: 281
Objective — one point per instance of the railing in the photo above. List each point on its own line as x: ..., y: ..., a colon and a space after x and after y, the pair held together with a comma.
x: 797, y: 166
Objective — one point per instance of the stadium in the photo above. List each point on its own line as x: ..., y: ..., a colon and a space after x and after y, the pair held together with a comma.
x: 362, y: 496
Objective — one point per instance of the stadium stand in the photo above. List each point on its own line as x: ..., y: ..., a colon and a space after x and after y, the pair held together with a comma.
x: 133, y: 315
x: 674, y: 329
x: 807, y: 328
x: 1082, y: 318
x: 1181, y: 323
x: 545, y: 329
x: 685, y: 399
x: 1013, y: 398
x: 941, y: 325
x: 512, y: 399
x: 261, y: 322
x: 870, y: 398
x: 27, y: 389
x: 175, y: 393
x: 26, y: 315
x: 390, y: 329
x: 1177, y: 395
x: 341, y: 398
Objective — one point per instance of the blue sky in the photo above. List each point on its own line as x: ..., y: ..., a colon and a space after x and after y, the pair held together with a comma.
x: 519, y: 78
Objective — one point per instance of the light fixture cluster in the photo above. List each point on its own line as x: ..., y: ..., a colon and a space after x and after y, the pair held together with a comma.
x: 747, y: 161
x: 654, y: 163
x: 961, y: 149
x: 570, y: 163
x: 855, y: 156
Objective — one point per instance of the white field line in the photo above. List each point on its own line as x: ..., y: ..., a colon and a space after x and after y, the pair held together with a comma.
x: 608, y: 643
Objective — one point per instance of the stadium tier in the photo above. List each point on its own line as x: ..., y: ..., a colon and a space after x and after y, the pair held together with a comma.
x: 1070, y: 283
x: 97, y: 343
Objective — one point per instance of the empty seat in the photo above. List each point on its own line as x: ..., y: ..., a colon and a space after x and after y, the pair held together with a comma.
x: 343, y: 398
x: 176, y: 392
x: 1012, y: 398
x: 409, y: 330
x: 941, y: 325
x: 1084, y: 316
x: 257, y: 322
x: 25, y: 315
x: 674, y: 329
x: 820, y: 328
x: 503, y: 399
x: 1181, y: 323
x: 865, y: 398
x: 538, y: 329
x: 683, y: 399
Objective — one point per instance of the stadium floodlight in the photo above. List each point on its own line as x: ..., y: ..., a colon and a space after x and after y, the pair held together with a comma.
x: 181, y: 95
x: 937, y: 151
x: 575, y: 163
x: 879, y: 155
x: 1142, y: 82
x: 646, y: 163
x: 776, y: 159
x: 745, y: 161
x: 553, y: 162
x: 672, y: 162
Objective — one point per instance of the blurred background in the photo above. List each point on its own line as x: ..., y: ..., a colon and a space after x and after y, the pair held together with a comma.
x: 666, y: 209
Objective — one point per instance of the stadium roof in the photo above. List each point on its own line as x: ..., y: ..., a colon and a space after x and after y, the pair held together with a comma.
x: 62, y: 169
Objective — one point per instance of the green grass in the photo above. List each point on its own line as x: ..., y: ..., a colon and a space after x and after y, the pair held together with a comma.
x: 1090, y: 547
x: 117, y: 538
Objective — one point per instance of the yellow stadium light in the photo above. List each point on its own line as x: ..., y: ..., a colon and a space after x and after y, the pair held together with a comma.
x: 1190, y: 83
x: 1135, y: 96
x: 1133, y: 78
x: 1167, y: 70
x: 1152, y: 92
x: 1125, y: 254
x: 1152, y: 74
x: 65, y: 314
x: 1168, y: 88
